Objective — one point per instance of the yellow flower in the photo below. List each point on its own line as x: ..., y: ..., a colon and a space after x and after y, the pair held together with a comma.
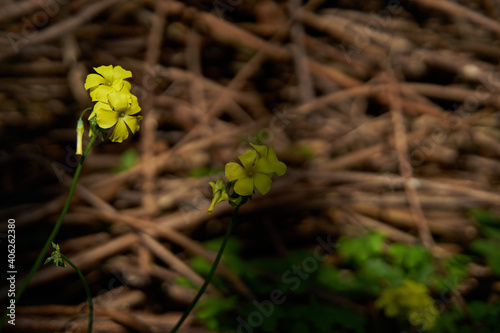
x: 254, y: 172
x: 110, y: 79
x: 411, y: 298
x: 278, y: 167
x: 389, y: 301
x: 119, y: 109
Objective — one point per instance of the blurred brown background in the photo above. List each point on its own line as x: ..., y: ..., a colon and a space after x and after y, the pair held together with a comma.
x: 385, y: 113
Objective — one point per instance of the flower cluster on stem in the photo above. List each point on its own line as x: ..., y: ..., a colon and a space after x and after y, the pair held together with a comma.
x: 255, y: 172
x: 256, y: 169
x: 115, y: 105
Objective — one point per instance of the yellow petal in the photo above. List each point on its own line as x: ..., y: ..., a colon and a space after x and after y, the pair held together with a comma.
x: 94, y: 80
x: 98, y: 107
x: 119, y: 100
x: 263, y: 166
x: 120, y: 73
x: 106, y: 118
x: 126, y: 86
x: 132, y: 122
x: 262, y: 150
x: 262, y: 183
x: 244, y: 186
x: 106, y: 72
x: 279, y: 167
x: 134, y: 107
x: 100, y: 93
x: 248, y: 158
x: 234, y: 171
x: 120, y: 132
x: 117, y: 84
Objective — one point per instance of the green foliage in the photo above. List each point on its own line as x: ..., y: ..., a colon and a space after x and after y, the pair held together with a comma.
x: 415, y: 260
x: 361, y: 248
x: 489, y: 225
x: 212, y: 310
x: 401, y: 277
x: 301, y: 152
x: 413, y: 289
x: 186, y: 283
x: 411, y: 299
x: 309, y: 314
x: 127, y: 160
x: 455, y: 270
x: 204, y: 172
x: 481, y: 317
x: 489, y: 222
x: 375, y: 272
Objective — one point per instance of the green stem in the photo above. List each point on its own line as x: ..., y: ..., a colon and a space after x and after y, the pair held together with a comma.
x: 210, y: 274
x: 87, y: 291
x: 53, y: 234
x: 83, y: 112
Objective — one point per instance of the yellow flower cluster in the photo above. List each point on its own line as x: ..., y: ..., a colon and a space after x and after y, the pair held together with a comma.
x: 115, y: 106
x: 256, y: 169
x: 411, y: 298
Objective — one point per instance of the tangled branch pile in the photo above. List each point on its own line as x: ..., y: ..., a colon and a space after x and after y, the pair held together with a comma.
x: 387, y: 115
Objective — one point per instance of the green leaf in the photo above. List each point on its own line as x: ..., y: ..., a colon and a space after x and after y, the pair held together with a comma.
x: 359, y: 249
x: 127, y: 160
x: 186, y: 283
x: 329, y: 277
x: 200, y: 265
x: 483, y: 246
x: 409, y: 256
x: 489, y: 223
x: 204, y: 172
x: 493, y: 260
x: 484, y: 217
x: 376, y: 270
x: 215, y: 306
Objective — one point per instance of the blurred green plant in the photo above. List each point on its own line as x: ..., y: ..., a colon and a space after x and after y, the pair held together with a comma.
x: 411, y: 299
x: 400, y: 279
x: 476, y: 316
x: 127, y: 160
x: 299, y: 312
x: 404, y: 281
x: 481, y: 317
x: 204, y: 172
x: 489, y: 245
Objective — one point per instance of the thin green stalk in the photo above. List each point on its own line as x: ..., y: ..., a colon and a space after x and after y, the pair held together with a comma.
x: 210, y: 274
x: 53, y: 234
x: 87, y: 291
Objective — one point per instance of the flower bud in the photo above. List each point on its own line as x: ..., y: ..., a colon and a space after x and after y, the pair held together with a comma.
x: 79, y: 136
